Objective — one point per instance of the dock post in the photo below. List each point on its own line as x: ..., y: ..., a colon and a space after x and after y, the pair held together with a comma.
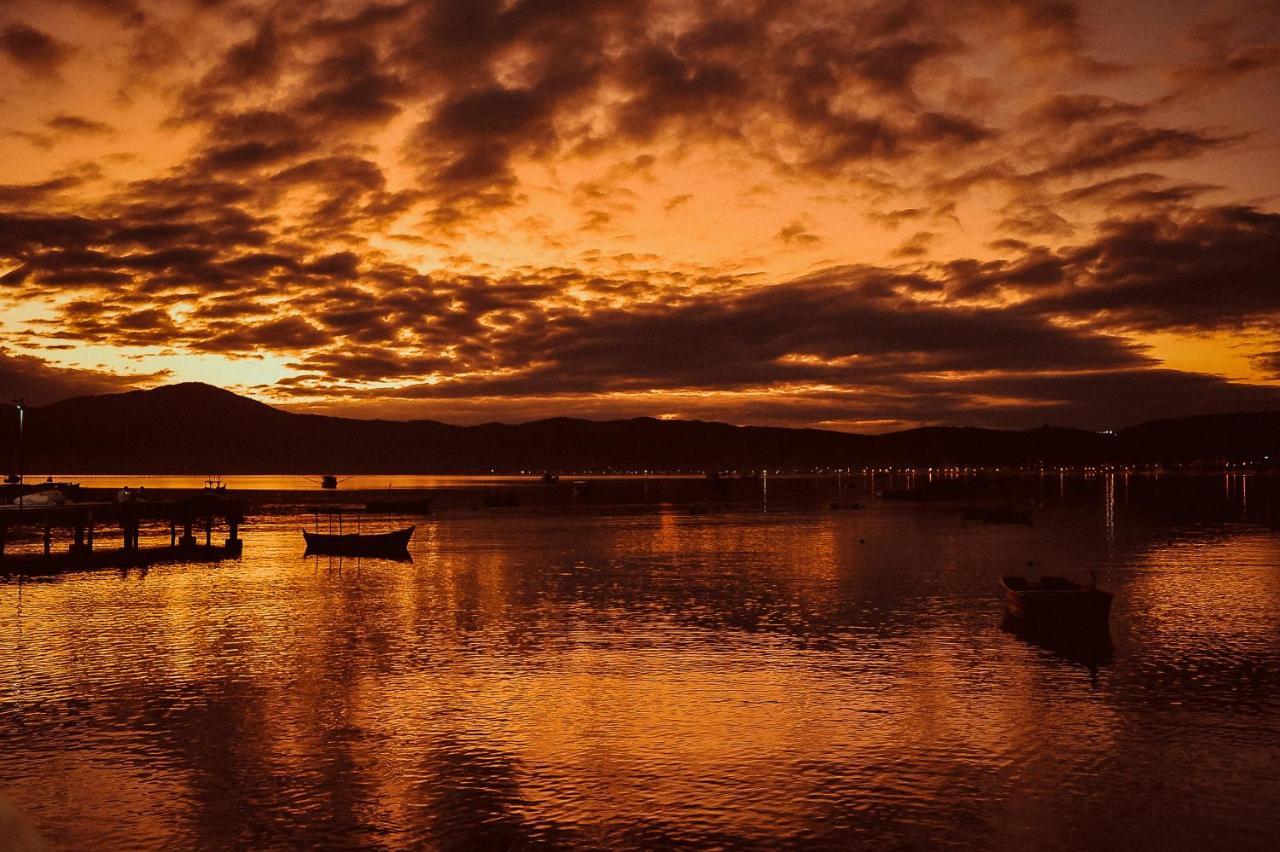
x: 88, y: 534
x: 3, y: 535
x: 188, y: 540
x: 208, y: 531
x: 173, y: 532
x: 48, y: 537
x: 234, y: 545
x: 77, y: 546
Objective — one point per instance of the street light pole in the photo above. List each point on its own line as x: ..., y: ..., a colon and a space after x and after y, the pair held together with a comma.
x: 21, y: 405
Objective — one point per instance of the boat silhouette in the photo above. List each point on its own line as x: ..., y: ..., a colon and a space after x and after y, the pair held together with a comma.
x: 394, y: 543
x: 1056, y: 604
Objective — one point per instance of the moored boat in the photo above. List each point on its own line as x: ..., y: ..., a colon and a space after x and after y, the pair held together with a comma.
x: 1056, y: 603
x: 393, y: 543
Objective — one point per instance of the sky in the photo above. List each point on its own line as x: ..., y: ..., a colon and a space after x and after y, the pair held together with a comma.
x: 861, y: 216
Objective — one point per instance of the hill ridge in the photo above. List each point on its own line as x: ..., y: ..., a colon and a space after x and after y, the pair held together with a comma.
x: 197, y: 428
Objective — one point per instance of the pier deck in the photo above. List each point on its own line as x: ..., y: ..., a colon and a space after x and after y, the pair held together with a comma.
x: 81, y: 520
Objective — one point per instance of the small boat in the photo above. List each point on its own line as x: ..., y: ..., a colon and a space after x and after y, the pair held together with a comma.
x: 13, y: 479
x: 399, y: 507
x: 1056, y: 603
x: 550, y: 477
x: 328, y: 481
x: 394, y: 543
x: 214, y: 485
x: 999, y: 514
x: 48, y: 497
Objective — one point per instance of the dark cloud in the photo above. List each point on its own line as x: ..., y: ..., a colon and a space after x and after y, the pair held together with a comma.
x: 78, y: 125
x: 1200, y: 269
x: 1233, y: 45
x: 352, y: 88
x: 1115, y: 146
x: 1269, y: 362
x: 796, y: 233
x: 1064, y: 111
x: 39, y: 382
x: 35, y: 51
x: 254, y: 62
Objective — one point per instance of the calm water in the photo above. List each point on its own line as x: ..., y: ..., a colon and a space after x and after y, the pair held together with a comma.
x: 615, y: 679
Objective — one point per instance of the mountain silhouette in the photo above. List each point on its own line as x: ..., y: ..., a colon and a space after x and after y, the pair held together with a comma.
x: 195, y: 428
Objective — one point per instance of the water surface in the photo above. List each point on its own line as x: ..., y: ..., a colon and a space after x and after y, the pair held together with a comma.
x: 640, y: 677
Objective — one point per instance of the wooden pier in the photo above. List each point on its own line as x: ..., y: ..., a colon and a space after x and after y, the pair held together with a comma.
x: 80, y: 521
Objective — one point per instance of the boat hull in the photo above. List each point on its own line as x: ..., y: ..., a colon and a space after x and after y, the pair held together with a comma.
x: 359, y: 544
x: 1057, y: 604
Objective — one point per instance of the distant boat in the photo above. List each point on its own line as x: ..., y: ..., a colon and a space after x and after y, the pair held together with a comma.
x: 48, y: 497
x: 420, y: 506
x: 215, y: 485
x: 999, y: 514
x: 10, y: 490
x: 328, y: 481
x: 359, y: 544
x: 1056, y: 603
x: 550, y: 477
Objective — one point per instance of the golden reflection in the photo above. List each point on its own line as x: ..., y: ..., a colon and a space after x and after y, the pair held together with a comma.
x: 655, y: 673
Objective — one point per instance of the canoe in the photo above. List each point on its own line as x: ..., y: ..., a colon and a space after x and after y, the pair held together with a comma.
x: 1056, y: 602
x: 359, y: 544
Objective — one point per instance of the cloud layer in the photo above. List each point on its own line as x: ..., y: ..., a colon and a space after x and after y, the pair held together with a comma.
x: 849, y: 214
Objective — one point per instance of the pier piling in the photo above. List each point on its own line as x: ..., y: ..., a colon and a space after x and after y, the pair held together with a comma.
x: 79, y: 520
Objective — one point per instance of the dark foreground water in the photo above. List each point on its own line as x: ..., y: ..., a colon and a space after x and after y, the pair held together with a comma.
x: 645, y: 678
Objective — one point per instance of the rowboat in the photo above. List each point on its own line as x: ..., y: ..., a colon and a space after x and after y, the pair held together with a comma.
x: 394, y: 543
x: 1056, y: 603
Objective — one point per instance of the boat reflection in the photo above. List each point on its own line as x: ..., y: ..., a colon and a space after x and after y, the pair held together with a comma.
x: 1087, y: 644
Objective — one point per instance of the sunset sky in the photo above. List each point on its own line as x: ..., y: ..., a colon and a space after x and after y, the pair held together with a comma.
x: 850, y: 215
